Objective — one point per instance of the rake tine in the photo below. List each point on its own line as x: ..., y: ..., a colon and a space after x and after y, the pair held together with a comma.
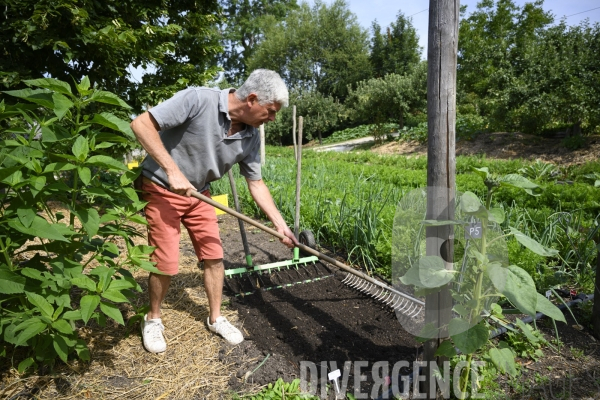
x: 381, y: 295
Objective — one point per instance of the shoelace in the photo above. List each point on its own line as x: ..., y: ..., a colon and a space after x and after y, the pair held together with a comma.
x: 155, y: 330
x: 227, y: 327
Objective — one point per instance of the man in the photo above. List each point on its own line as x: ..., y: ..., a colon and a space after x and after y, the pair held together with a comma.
x: 203, y: 133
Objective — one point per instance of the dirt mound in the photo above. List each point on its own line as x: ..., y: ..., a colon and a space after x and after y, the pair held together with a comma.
x: 508, y: 145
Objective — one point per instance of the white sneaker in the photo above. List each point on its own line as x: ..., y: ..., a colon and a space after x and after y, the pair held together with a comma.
x: 152, y: 333
x: 229, y: 332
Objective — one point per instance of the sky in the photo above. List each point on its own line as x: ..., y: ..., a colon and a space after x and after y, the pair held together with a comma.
x: 385, y: 12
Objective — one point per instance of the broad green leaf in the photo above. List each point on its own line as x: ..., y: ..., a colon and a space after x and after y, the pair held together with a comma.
x: 516, y: 284
x: 138, y: 219
x: 123, y: 283
x: 85, y: 174
x: 107, y: 162
x: 504, y: 360
x: 81, y: 148
x: 496, y: 215
x: 108, y: 98
x: 546, y: 307
x: 41, y: 303
x: 131, y: 194
x: 483, y: 172
x: 446, y: 349
x: 51, y: 84
x: 90, y: 219
x: 471, y: 339
x: 72, y: 315
x: 62, y: 326
x: 532, y: 245
x: 39, y: 228
x: 11, y: 283
x: 470, y: 203
x: 105, y: 274
x: 527, y: 331
x: 88, y: 305
x: 110, y: 121
x: 518, y: 181
x: 84, y: 282
x: 26, y: 215
x: 33, y: 327
x: 61, y: 348
x: 25, y: 364
x: 82, y: 350
x: 38, y: 96
x: 115, y: 295
x: 433, y: 272
x: 54, y: 133
x: 84, y: 86
x: 61, y: 105
x: 53, y: 167
x: 112, y: 311
x: 32, y: 273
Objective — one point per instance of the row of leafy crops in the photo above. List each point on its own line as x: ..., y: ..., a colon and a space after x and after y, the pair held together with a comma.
x: 349, y: 201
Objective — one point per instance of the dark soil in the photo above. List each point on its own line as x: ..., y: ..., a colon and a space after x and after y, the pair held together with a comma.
x: 318, y: 321
x: 327, y: 321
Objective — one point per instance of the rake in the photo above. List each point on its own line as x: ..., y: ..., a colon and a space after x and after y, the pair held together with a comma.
x: 398, y: 301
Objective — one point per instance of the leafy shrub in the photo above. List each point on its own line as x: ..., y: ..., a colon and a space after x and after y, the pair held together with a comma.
x: 321, y: 115
x: 60, y: 270
x: 469, y: 125
x: 418, y: 133
x: 391, y: 98
x: 574, y: 142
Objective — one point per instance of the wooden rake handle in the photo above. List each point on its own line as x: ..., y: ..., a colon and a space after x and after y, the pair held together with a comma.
x: 302, y: 247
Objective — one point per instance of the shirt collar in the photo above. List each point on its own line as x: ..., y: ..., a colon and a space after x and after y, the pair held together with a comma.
x: 224, y: 101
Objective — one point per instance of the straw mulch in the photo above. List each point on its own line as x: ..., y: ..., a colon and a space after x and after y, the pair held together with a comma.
x: 193, y: 367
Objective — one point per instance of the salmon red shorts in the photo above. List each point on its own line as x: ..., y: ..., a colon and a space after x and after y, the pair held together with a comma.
x: 165, y: 212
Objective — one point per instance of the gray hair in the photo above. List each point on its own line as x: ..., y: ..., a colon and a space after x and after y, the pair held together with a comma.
x: 268, y: 87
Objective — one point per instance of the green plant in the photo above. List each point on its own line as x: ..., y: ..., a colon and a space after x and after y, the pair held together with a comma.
x: 574, y: 142
x: 280, y: 390
x: 540, y: 171
x: 526, y: 341
x: 60, y: 266
x: 484, y: 276
x: 418, y: 133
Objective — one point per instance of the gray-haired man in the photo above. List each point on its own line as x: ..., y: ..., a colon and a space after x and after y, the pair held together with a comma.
x: 203, y: 133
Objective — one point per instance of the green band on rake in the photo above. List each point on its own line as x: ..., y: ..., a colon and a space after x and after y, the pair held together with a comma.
x: 294, y: 263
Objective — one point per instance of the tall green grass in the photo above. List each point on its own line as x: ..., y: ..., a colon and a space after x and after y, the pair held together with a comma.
x: 349, y: 199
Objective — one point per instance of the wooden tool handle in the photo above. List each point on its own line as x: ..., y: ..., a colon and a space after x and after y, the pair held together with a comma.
x: 300, y: 245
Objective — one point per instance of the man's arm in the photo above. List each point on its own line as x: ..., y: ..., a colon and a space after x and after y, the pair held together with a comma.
x: 146, y: 130
x: 261, y: 195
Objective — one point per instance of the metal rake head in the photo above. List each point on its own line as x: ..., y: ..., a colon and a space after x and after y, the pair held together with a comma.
x: 396, y: 300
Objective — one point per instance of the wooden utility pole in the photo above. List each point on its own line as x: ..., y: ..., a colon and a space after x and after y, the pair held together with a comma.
x: 442, y: 49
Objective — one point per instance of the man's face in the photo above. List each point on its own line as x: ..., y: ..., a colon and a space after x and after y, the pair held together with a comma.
x: 260, y: 114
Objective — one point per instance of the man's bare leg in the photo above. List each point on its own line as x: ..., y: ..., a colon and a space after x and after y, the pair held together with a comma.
x: 213, y: 284
x: 157, y: 288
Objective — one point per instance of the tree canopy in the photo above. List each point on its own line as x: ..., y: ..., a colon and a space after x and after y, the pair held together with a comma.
x: 71, y: 39
x: 321, y: 48
x: 397, y: 50
x: 242, y: 29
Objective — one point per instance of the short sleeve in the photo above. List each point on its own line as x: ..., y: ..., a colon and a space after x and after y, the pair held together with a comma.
x: 177, y: 110
x: 250, y: 167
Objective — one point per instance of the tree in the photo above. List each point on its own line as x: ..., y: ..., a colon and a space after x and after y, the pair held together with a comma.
x: 389, y: 99
x: 242, y: 29
x: 492, y: 42
x: 322, y: 115
x: 396, y: 51
x: 321, y: 48
x: 71, y: 39
x: 558, y: 87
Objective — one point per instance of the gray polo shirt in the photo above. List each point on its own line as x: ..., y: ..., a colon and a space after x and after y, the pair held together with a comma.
x: 193, y: 128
